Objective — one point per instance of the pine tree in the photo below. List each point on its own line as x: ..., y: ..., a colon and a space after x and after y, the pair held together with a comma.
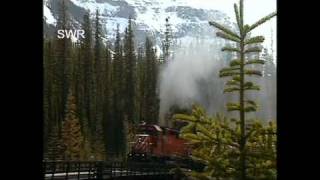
x: 85, y: 79
x: 71, y: 131
x: 130, y: 74
x: 47, y: 91
x: 270, y: 82
x: 167, y: 42
x: 86, y: 150
x: 107, y: 102
x: 141, y: 75
x: 117, y: 138
x: 63, y: 59
x: 98, y: 96
x: 262, y: 151
x: 238, y: 72
x: 215, y: 143
x: 99, y: 63
x: 151, y: 110
x: 54, y: 149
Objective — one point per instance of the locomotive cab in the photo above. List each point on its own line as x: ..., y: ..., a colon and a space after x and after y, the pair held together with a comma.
x: 145, y: 141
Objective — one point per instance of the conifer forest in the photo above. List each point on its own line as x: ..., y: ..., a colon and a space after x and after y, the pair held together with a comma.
x: 216, y: 93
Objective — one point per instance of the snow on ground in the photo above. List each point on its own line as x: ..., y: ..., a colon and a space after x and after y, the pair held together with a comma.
x: 48, y: 15
x: 92, y: 5
x: 112, y: 23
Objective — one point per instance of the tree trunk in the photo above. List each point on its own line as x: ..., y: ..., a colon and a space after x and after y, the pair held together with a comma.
x: 242, y: 113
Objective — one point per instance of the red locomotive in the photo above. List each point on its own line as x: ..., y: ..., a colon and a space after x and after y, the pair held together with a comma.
x: 161, y: 143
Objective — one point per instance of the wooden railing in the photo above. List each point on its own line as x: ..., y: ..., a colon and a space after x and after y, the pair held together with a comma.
x: 101, y: 170
x: 70, y: 169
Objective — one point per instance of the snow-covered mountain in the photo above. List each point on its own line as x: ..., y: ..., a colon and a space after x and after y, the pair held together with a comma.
x: 148, y: 17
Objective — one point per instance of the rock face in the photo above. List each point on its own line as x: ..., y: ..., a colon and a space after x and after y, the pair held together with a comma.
x: 148, y: 17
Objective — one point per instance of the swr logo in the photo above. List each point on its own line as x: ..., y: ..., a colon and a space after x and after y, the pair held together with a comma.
x: 64, y: 33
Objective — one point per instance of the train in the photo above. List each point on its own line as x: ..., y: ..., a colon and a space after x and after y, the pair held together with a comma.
x: 162, y: 144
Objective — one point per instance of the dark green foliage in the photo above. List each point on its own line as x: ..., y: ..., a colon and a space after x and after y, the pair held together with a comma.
x: 151, y: 97
x: 108, y: 94
x: 86, y: 66
x: 62, y: 55
x: 54, y: 149
x: 117, y: 140
x: 98, y: 146
x: 49, y: 94
x: 141, y: 81
x: 85, y: 77
x: 105, y: 82
x: 130, y: 75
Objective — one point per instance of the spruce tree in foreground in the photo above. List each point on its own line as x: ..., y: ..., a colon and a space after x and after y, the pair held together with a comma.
x: 215, y: 142
x: 238, y: 70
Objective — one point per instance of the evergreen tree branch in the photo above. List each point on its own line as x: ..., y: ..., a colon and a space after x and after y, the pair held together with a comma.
x: 254, y: 61
x: 253, y: 49
x: 185, y: 118
x: 227, y: 37
x: 254, y: 40
x: 231, y: 89
x: 250, y: 86
x: 252, y: 72
x: 235, y: 62
x: 250, y: 108
x: 231, y: 49
x: 228, y: 69
x: 233, y: 106
x: 238, y: 18
x: 261, y: 21
x: 236, y: 78
x: 224, y: 29
x: 232, y: 82
x: 228, y: 73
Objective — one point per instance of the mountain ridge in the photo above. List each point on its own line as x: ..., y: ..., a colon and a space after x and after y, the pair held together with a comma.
x: 148, y: 17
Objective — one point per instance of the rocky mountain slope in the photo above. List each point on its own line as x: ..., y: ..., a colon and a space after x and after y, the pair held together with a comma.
x: 148, y: 17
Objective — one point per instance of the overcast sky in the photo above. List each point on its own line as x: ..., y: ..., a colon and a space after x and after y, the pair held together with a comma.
x: 253, y: 11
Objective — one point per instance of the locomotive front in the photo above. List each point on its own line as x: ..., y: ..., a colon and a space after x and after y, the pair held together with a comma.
x: 153, y: 142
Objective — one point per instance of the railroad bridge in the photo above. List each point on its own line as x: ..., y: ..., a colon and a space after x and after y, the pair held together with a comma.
x: 76, y: 170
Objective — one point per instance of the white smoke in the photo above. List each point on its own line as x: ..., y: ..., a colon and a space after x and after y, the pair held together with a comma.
x: 190, y: 76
